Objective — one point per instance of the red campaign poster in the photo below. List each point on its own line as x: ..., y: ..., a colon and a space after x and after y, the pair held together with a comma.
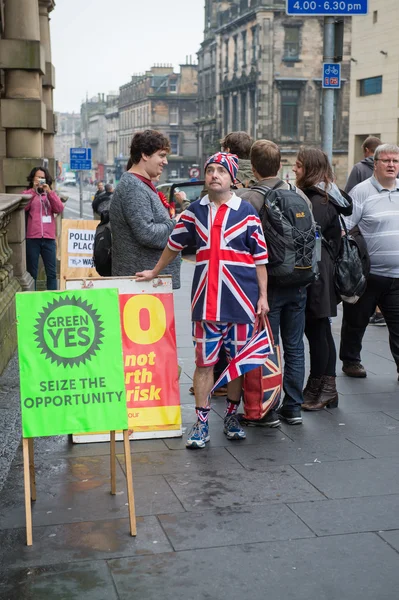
x: 150, y: 362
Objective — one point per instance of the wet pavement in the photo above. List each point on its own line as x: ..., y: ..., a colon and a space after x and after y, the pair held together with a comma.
x: 304, y: 512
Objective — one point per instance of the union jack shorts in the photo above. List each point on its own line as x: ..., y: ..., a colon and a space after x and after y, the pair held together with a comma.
x: 208, y: 338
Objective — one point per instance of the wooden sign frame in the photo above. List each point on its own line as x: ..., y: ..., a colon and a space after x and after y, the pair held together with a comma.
x: 30, y: 481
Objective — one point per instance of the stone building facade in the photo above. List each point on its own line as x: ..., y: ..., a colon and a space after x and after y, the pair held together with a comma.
x: 94, y: 132
x: 166, y: 101
x: 260, y: 71
x: 374, y: 86
x: 112, y: 135
x: 27, y: 128
x: 27, y: 124
x: 67, y: 137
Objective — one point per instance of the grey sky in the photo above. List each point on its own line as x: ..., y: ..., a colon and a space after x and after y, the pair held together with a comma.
x: 98, y: 44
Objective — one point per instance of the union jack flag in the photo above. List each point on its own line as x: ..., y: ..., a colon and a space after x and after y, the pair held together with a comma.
x: 230, y: 244
x: 253, y: 355
x: 262, y: 387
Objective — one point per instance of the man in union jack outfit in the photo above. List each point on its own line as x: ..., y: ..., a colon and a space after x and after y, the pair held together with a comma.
x: 229, y: 285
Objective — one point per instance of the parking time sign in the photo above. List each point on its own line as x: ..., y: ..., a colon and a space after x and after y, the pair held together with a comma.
x: 327, y: 7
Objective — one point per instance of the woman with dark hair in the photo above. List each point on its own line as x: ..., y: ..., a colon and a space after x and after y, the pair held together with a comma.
x: 315, y: 178
x: 40, y: 231
x: 141, y: 218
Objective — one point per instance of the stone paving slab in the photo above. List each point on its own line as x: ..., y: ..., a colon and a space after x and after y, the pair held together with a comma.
x: 355, y: 403
x: 87, y: 580
x: 90, y: 540
x: 353, y: 479
x: 199, y: 491
x: 231, y: 526
x: 260, y: 457
x: 392, y: 537
x: 381, y: 446
x: 180, y: 461
x: 350, y: 567
x: 351, y: 515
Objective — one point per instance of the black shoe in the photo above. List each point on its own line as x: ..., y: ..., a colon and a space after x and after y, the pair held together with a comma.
x: 354, y: 369
x: 378, y: 320
x: 269, y: 420
x: 291, y: 415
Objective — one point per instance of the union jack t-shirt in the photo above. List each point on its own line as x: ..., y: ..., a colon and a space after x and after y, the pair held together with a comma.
x: 230, y: 244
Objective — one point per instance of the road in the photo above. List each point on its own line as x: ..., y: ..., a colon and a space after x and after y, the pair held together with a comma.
x: 72, y: 207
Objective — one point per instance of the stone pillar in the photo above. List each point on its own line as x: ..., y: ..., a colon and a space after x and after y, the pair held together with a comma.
x: 23, y: 113
x: 45, y: 7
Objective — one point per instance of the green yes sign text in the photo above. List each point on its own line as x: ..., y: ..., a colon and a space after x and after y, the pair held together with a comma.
x: 71, y: 363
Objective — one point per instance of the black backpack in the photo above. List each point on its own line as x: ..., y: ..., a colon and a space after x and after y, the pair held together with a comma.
x: 102, y: 247
x: 291, y: 236
x: 351, y: 266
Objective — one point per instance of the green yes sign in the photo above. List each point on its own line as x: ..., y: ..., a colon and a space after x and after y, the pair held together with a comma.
x: 71, y: 362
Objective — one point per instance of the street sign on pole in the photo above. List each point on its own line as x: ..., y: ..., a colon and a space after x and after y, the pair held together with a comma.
x: 329, y: 8
x: 80, y: 159
x: 331, y: 75
x: 194, y: 172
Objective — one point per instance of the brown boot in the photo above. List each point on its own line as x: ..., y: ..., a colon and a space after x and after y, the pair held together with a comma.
x: 311, y: 393
x: 328, y: 394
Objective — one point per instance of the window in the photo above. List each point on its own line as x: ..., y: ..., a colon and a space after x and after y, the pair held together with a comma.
x: 235, y: 114
x: 289, y: 113
x: 252, y: 111
x: 235, y: 53
x: 173, y: 114
x: 226, y: 114
x: 244, y: 48
x: 226, y: 55
x: 174, y: 143
x: 375, y: 16
x: 369, y: 86
x: 291, y: 43
x: 244, y: 111
x: 254, y: 42
x: 173, y: 86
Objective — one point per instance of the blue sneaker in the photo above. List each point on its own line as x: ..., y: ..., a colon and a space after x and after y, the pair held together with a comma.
x: 233, y: 429
x: 198, y: 435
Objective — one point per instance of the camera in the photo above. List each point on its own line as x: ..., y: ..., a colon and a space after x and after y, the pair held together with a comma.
x: 42, y: 181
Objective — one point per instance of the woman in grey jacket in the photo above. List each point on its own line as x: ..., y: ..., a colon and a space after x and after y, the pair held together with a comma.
x: 141, y: 219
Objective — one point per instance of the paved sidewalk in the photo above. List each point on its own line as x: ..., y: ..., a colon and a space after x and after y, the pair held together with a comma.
x: 307, y: 513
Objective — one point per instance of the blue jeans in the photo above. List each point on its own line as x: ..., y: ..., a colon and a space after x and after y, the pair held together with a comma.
x: 47, y: 249
x: 287, y: 315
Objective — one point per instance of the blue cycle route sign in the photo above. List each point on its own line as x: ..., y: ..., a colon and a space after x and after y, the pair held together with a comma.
x: 80, y: 159
x: 331, y: 75
x: 327, y: 7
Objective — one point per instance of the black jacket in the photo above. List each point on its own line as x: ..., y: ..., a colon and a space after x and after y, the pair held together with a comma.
x: 322, y: 300
x: 99, y: 199
x: 361, y: 171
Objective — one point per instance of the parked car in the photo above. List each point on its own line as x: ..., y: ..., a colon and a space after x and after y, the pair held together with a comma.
x: 70, y: 178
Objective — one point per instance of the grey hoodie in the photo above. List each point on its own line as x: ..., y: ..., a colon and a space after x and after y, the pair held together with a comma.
x: 361, y: 171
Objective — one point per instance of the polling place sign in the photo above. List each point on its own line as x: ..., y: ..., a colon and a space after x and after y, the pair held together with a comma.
x: 71, y: 362
x: 77, y: 240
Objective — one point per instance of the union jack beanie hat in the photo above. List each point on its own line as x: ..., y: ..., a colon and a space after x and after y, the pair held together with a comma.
x: 228, y: 161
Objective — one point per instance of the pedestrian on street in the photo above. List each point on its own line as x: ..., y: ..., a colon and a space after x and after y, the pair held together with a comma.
x: 229, y: 285
x: 140, y: 218
x: 363, y: 169
x: 360, y: 172
x: 376, y: 213
x: 287, y: 304
x: 100, y: 190
x: 314, y: 176
x: 240, y: 143
x: 41, y: 229
x: 102, y: 201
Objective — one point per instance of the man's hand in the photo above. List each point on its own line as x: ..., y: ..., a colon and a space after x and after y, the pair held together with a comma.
x: 145, y: 275
x: 262, y: 308
x: 179, y: 197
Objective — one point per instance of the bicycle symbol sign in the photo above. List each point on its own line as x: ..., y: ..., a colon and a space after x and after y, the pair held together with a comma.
x: 331, y: 75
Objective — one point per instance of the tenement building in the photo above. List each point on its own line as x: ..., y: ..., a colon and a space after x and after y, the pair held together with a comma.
x: 166, y: 101
x: 67, y: 137
x: 260, y: 71
x: 374, y: 85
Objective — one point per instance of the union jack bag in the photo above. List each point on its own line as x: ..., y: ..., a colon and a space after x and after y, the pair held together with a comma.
x: 263, y: 386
